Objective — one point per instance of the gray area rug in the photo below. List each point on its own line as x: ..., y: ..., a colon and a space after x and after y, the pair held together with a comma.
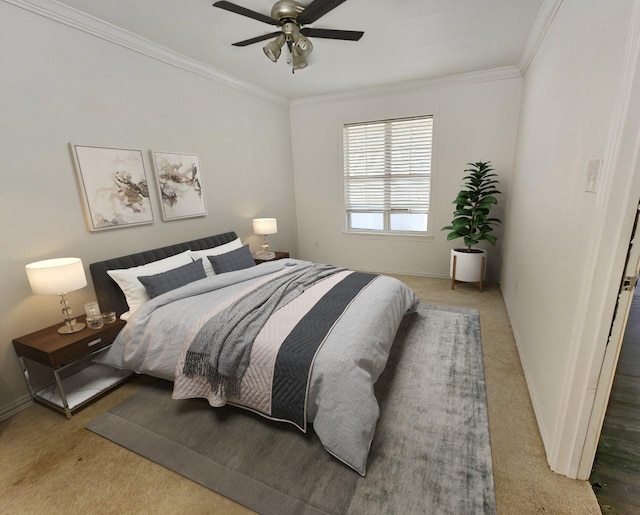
x: 431, y: 452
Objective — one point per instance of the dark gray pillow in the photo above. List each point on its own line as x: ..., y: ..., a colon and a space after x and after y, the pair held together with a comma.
x: 166, y: 281
x: 234, y: 260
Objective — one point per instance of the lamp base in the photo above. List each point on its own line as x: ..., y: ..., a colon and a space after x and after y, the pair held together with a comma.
x: 265, y: 256
x: 71, y: 328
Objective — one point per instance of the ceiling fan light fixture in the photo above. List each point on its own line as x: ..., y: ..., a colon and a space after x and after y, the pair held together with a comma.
x: 298, y: 61
x: 303, y: 46
x: 273, y: 48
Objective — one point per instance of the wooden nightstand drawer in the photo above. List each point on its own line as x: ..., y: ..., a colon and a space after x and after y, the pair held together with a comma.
x: 55, y: 350
x: 92, y: 342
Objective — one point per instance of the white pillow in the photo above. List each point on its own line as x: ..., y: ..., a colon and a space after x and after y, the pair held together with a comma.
x: 134, y: 291
x: 215, y: 251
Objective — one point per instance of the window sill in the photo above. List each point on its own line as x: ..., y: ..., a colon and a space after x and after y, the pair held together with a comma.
x: 394, y: 234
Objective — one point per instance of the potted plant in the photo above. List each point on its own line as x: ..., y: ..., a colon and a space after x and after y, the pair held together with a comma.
x: 472, y: 223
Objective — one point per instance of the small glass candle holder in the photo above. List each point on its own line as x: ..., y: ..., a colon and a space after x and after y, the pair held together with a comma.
x: 95, y: 322
x: 92, y: 309
x: 109, y: 317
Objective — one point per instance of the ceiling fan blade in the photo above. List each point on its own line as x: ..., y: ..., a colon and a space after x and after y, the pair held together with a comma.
x: 348, y: 35
x: 243, y: 11
x: 257, y: 39
x: 317, y: 9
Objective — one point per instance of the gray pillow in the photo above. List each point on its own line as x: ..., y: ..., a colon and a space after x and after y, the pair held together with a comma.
x: 166, y: 281
x: 234, y: 260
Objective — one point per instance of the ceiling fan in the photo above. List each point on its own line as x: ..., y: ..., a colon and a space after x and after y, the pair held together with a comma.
x: 291, y: 17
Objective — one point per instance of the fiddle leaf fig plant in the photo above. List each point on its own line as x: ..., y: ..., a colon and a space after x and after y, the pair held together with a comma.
x: 471, y: 217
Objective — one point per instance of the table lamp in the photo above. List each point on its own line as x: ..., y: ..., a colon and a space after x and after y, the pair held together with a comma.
x: 265, y: 226
x: 58, y: 277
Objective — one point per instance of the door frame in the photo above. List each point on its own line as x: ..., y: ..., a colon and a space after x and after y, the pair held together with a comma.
x: 568, y: 451
x: 592, y: 369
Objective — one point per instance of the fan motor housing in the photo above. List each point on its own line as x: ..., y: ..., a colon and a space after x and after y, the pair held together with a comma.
x: 286, y: 10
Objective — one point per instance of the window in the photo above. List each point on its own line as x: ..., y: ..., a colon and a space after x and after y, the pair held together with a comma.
x: 387, y: 175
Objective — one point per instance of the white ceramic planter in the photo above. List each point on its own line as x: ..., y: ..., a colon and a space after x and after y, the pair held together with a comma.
x: 468, y: 265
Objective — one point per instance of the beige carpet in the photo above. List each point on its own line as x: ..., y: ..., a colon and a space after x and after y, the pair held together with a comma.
x: 51, y: 465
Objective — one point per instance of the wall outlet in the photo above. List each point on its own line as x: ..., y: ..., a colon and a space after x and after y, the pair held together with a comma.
x: 593, y: 175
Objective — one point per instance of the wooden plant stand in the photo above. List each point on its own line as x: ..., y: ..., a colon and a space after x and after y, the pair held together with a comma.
x: 455, y: 281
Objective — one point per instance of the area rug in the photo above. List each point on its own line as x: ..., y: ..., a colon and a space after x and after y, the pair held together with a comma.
x: 431, y: 452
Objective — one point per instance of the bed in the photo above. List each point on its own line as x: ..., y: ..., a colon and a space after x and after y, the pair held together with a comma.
x: 291, y: 340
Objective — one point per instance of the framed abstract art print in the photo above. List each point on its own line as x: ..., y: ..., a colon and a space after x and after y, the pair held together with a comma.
x: 114, y: 187
x: 179, y: 180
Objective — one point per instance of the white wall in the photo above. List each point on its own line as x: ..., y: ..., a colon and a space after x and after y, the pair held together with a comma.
x: 570, y: 96
x: 475, y: 120
x: 60, y: 85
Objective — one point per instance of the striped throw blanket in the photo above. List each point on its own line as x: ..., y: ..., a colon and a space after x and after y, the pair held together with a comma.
x: 220, y: 351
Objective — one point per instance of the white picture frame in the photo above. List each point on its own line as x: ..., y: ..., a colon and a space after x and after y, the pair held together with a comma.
x: 114, y: 186
x: 179, y: 181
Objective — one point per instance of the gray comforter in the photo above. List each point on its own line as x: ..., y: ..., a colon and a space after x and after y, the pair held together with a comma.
x: 340, y: 403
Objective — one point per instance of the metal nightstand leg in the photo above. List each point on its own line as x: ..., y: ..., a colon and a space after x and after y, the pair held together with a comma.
x: 63, y: 396
x: 34, y: 396
x: 25, y: 371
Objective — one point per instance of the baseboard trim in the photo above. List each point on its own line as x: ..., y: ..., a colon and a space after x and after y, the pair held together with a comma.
x: 15, y: 407
x: 422, y: 274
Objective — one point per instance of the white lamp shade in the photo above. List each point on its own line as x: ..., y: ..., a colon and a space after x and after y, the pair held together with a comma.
x: 265, y: 225
x: 56, y: 276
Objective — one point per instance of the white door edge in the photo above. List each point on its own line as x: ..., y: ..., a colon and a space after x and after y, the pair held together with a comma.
x: 611, y: 355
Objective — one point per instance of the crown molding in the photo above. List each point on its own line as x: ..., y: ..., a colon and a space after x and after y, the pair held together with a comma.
x: 76, y: 19
x: 493, y: 74
x: 79, y: 20
x: 538, y: 32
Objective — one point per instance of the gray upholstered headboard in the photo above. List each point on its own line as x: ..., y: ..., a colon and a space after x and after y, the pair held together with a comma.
x: 109, y: 294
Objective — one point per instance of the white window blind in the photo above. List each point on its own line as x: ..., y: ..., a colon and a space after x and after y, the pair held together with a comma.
x: 387, y: 174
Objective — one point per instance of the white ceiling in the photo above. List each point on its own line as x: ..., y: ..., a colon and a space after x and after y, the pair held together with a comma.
x: 404, y: 40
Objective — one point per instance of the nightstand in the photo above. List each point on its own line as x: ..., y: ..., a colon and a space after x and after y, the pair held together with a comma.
x: 72, y: 379
x: 279, y: 255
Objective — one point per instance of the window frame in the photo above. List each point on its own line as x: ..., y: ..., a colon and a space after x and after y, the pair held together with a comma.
x: 387, y: 231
